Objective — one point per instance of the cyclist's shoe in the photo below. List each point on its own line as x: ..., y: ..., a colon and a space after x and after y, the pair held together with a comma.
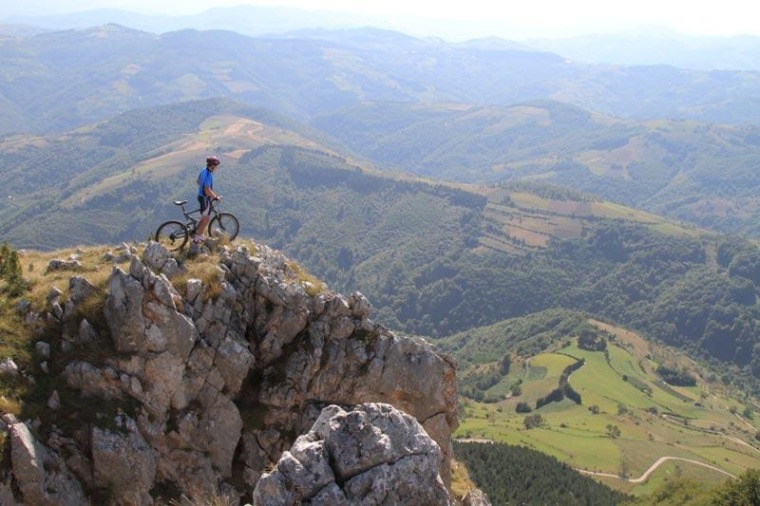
x: 198, y: 239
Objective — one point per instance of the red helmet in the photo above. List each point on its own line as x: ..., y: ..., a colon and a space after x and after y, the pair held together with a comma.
x: 212, y: 161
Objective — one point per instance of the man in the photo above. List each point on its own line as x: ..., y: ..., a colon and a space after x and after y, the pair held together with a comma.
x: 206, y: 195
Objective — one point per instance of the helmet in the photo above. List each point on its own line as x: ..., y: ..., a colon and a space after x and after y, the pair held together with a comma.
x: 212, y: 161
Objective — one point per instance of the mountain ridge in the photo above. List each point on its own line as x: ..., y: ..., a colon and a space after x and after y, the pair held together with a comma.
x: 642, y: 46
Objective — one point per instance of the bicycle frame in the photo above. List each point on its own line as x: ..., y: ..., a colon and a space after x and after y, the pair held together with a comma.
x: 192, y: 223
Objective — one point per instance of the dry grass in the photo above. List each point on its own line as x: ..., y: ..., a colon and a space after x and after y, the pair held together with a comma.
x: 461, y: 483
x: 312, y: 285
x: 205, y: 269
x: 41, y: 281
x: 205, y: 498
x: 8, y: 405
x: 17, y: 339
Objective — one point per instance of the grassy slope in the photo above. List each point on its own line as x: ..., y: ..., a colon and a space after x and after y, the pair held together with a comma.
x: 695, y: 172
x: 693, y: 423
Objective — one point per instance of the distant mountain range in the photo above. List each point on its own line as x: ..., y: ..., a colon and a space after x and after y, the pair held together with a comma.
x: 247, y: 20
x: 61, y: 80
x: 645, y: 46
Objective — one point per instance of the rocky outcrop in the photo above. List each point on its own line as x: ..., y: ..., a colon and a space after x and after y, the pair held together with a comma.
x: 372, y: 454
x: 41, y: 475
x: 475, y: 497
x: 213, y: 381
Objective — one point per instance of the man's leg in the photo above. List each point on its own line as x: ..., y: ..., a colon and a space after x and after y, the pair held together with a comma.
x: 204, y: 221
x: 202, y: 225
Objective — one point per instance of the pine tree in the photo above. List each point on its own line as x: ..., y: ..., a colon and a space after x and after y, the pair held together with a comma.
x: 5, y: 252
x: 10, y: 270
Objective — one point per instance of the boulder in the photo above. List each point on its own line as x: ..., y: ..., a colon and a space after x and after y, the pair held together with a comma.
x: 124, y: 463
x: 371, y: 454
x: 41, y: 475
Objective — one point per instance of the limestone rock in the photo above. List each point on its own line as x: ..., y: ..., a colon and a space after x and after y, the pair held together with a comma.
x: 476, y: 497
x: 157, y: 258
x: 42, y: 349
x: 64, y: 265
x: 6, y: 494
x: 86, y: 333
x: 124, y: 463
x: 53, y: 295
x: 80, y: 288
x: 8, y: 367
x: 23, y: 306
x: 250, y: 345
x: 123, y: 311
x: 41, y: 475
x: 372, y: 454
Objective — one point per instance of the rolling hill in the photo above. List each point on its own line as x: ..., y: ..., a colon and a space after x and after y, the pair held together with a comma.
x: 431, y: 112
x: 688, y: 171
x: 626, y: 417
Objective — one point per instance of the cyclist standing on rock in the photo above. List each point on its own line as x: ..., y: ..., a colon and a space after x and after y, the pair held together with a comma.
x: 206, y: 195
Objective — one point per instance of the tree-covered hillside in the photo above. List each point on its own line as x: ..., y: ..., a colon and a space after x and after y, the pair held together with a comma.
x: 415, y: 250
x: 693, y: 172
x: 106, y: 182
x: 517, y: 475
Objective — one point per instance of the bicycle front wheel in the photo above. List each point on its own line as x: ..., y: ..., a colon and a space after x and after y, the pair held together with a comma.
x: 224, y: 225
x: 173, y: 235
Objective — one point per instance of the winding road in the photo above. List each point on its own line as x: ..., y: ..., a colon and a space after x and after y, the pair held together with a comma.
x: 653, y: 467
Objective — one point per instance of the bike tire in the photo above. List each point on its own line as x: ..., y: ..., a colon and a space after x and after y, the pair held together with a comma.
x: 224, y: 224
x: 173, y: 235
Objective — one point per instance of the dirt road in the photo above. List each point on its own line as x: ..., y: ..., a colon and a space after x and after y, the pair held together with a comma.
x: 654, y: 466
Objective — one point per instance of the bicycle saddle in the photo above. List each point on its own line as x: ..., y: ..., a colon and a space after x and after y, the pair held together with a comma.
x: 180, y: 202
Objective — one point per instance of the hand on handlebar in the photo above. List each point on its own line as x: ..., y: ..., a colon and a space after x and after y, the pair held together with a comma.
x: 218, y: 197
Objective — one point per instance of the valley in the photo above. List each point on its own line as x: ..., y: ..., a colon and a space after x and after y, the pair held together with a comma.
x: 631, y: 430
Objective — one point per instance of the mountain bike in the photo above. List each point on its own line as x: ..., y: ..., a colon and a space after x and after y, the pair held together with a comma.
x: 173, y: 234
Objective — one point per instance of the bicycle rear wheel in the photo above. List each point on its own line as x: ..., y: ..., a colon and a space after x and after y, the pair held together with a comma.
x: 173, y: 235
x: 224, y: 225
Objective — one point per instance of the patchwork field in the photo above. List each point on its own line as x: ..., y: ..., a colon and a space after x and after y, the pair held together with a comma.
x: 521, y: 221
x: 628, y: 417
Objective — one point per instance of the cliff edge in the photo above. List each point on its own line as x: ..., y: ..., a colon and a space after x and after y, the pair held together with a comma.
x: 250, y: 381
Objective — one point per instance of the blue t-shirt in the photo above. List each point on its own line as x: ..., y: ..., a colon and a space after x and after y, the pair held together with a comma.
x: 206, y: 179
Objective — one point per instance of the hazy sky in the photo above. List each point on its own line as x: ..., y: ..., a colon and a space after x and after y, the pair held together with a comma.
x: 727, y: 17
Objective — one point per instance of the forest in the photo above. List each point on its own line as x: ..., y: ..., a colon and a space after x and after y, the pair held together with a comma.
x: 518, y: 475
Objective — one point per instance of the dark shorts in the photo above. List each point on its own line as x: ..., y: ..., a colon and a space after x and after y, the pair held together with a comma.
x: 205, y: 203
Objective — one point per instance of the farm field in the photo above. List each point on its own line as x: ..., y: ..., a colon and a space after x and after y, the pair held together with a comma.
x: 521, y: 221
x: 627, y: 419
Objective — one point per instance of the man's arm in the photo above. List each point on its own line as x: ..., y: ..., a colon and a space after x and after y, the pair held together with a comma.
x: 210, y: 193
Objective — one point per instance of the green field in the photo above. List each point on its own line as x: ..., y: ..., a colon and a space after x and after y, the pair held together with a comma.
x: 654, y: 419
